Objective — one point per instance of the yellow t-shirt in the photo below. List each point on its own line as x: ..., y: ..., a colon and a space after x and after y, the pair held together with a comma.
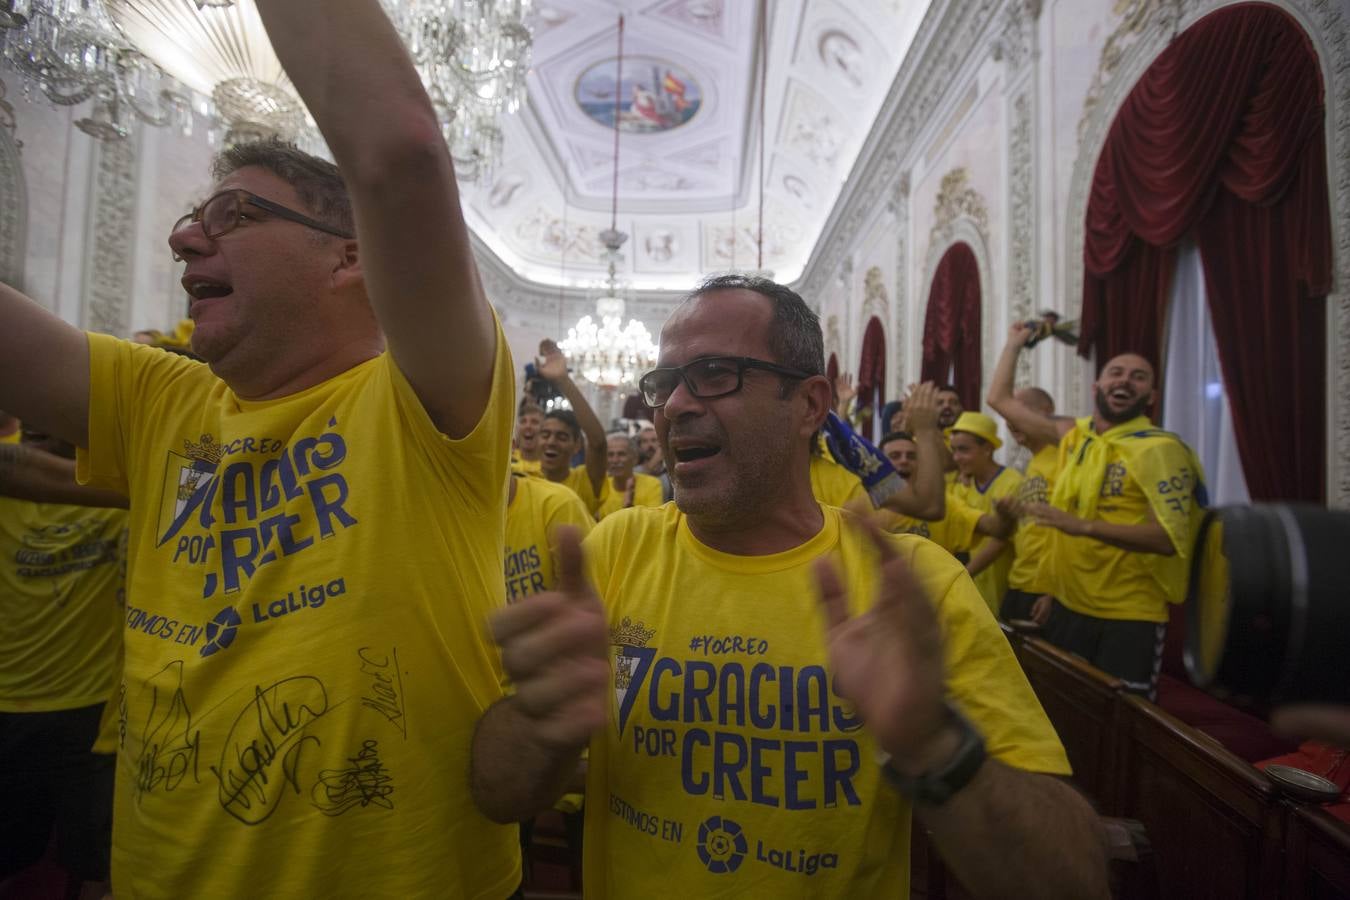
x: 954, y: 532
x: 646, y: 492
x: 1032, y: 543
x: 306, y: 645
x: 1096, y: 579
x: 834, y: 485
x: 13, y: 437
x: 992, y: 581
x: 529, y: 467
x: 580, y: 482
x: 62, y: 583
x: 729, y: 768
x: 532, y: 516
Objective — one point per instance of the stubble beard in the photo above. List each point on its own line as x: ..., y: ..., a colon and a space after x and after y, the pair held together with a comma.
x: 1133, y: 411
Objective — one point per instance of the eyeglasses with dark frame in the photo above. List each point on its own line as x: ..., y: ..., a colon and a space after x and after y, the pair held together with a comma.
x: 220, y: 214
x: 706, y: 378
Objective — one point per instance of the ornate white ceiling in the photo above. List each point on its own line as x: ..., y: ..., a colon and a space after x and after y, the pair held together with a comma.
x: 688, y: 170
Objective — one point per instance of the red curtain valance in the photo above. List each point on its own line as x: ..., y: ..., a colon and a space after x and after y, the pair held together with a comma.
x: 951, y: 327
x: 1222, y: 139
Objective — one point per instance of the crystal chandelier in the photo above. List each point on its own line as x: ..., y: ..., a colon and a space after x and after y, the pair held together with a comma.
x: 73, y: 52
x: 611, y: 354
x: 472, y: 55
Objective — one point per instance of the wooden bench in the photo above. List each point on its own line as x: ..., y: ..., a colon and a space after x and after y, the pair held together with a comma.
x: 1083, y: 703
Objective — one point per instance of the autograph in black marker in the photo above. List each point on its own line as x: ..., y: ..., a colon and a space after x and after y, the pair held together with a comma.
x: 260, y: 757
x: 365, y: 782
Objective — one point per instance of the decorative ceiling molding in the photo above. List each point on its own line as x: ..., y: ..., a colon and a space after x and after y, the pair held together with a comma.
x: 1016, y: 42
x: 899, y: 204
x: 956, y: 199
x: 510, y: 293
x: 1022, y: 218
x: 1150, y: 26
x: 875, y: 301
x: 951, y: 30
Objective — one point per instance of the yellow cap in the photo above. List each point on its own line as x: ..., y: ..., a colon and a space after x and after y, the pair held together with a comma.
x: 977, y: 424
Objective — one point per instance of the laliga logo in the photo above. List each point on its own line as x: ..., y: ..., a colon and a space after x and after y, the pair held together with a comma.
x: 721, y: 845
x: 220, y: 631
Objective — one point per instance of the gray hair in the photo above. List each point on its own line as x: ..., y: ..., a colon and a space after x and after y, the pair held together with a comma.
x: 795, y: 338
x: 317, y: 181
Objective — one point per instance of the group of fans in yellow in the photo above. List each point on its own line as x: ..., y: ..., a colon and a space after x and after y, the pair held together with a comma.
x: 264, y: 587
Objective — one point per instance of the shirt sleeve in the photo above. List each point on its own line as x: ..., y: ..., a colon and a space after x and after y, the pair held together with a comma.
x: 473, y: 468
x: 125, y: 380
x: 984, y: 679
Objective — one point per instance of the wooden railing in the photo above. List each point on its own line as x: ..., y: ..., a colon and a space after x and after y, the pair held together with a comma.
x: 1217, y: 827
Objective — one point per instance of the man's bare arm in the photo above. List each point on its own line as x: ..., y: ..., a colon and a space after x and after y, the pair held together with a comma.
x: 992, y: 834
x: 27, y: 473
x: 984, y: 557
x: 1034, y: 424
x: 924, y: 495
x: 351, y: 69
x: 44, y: 368
x: 552, y: 365
x: 1145, y: 537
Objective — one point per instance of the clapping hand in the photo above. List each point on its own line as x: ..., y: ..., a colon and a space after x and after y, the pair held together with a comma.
x: 888, y: 661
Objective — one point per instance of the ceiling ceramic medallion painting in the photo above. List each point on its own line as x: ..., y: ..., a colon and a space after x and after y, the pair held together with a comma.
x: 655, y: 95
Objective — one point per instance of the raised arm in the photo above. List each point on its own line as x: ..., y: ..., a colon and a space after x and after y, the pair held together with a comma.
x: 44, y: 368
x: 1034, y: 424
x: 553, y: 366
x: 924, y: 494
x: 27, y: 473
x: 351, y: 69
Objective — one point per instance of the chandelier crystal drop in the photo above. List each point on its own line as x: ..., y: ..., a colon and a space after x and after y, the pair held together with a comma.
x: 73, y: 52
x: 135, y: 57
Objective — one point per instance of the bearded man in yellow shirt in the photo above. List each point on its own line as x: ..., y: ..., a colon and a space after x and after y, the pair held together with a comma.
x: 317, y: 512
x: 771, y: 684
x: 1124, y: 508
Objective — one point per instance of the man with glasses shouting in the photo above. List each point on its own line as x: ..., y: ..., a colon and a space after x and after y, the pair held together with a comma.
x: 770, y: 687
x: 316, y: 514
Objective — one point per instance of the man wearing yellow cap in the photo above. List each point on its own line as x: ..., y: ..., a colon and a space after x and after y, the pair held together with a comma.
x: 1124, y: 508
x: 982, y: 482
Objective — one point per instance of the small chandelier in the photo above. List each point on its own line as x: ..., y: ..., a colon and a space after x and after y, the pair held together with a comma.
x: 472, y: 55
x: 611, y: 355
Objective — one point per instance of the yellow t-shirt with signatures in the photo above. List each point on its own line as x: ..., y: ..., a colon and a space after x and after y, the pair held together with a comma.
x: 307, y: 655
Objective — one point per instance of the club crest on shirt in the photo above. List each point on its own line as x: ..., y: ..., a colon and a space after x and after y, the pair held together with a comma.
x: 187, y: 478
x: 632, y: 659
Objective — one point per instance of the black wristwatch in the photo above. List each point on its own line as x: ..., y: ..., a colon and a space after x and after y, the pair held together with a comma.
x: 935, y: 787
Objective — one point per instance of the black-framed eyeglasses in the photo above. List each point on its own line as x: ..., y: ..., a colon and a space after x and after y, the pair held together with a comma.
x: 706, y: 378
x: 221, y: 213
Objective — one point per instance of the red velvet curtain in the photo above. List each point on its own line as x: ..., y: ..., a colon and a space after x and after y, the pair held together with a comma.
x: 1222, y: 139
x: 951, y: 327
x: 872, y: 374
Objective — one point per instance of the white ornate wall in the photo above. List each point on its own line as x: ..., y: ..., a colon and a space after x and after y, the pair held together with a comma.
x: 83, y: 224
x: 1018, y: 94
